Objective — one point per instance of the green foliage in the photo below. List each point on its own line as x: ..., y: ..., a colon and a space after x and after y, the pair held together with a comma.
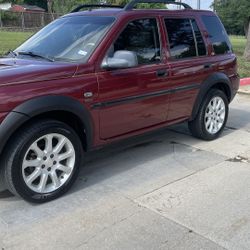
x: 234, y: 15
x: 239, y: 44
x: 7, y: 16
x: 65, y: 6
x: 39, y: 3
x: 13, y: 1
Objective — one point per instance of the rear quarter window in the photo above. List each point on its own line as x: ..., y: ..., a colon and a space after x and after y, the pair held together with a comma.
x: 217, y: 35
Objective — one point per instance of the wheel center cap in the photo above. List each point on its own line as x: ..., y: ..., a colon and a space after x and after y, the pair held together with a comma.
x: 48, y: 162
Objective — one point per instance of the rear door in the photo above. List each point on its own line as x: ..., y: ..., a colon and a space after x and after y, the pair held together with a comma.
x: 189, y: 63
x: 135, y: 98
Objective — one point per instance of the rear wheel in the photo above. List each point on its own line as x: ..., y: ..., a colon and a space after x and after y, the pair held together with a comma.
x: 212, y: 116
x: 43, y: 161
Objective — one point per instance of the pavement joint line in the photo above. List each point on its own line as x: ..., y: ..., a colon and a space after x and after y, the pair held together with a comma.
x: 212, y: 151
x: 195, y: 147
x: 182, y: 178
x: 105, y: 228
x: 180, y: 224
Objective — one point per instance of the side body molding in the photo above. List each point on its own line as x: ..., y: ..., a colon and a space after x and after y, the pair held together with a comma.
x: 210, y: 82
x: 40, y: 105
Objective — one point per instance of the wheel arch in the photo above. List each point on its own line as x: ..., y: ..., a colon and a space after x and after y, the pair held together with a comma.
x: 62, y: 108
x: 218, y: 81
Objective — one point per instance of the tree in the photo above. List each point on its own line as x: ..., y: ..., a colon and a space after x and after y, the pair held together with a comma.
x: 14, y: 2
x: 234, y: 15
x: 49, y: 6
x: 39, y: 3
x: 64, y: 6
x: 247, y: 50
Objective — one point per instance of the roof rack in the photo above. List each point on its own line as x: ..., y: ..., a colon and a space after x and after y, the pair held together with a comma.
x: 133, y: 3
x: 95, y: 6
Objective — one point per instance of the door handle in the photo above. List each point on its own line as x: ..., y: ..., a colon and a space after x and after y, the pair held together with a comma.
x: 208, y: 66
x: 161, y: 72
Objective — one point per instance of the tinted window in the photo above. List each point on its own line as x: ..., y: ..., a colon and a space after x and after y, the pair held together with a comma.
x: 200, y: 42
x: 181, y: 38
x: 142, y: 37
x: 217, y: 35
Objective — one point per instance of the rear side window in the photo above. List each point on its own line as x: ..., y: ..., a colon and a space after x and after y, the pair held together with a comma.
x: 217, y: 35
x: 142, y: 37
x: 185, y: 39
x: 181, y: 38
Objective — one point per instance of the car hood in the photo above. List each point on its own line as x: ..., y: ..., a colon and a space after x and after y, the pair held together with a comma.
x: 15, y: 71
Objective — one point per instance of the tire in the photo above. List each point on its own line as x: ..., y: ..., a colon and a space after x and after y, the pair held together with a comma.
x: 48, y: 149
x: 204, y: 125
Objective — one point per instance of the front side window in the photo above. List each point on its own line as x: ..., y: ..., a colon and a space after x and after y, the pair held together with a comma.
x: 68, y: 39
x: 217, y: 35
x: 181, y: 38
x: 142, y: 37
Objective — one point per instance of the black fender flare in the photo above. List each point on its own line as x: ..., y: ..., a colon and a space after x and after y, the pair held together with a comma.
x: 212, y: 80
x: 40, y: 105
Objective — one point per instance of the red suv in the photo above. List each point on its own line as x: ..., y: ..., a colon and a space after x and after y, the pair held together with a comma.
x: 104, y: 74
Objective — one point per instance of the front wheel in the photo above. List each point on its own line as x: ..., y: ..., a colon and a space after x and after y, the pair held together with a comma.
x: 43, y: 161
x: 212, y: 116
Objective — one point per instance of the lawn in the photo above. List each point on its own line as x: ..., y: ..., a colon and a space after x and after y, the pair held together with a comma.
x: 239, y: 43
x: 10, y: 40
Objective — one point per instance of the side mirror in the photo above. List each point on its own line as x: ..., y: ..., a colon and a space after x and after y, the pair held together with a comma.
x: 122, y: 59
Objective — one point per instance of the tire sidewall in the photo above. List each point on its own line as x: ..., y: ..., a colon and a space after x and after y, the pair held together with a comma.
x: 16, y: 170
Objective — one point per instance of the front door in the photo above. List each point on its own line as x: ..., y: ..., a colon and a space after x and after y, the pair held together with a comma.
x: 134, y: 98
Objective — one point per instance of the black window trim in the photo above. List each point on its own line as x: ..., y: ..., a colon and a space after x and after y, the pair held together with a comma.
x: 195, y: 39
x: 160, y: 39
x: 204, y: 40
x: 190, y: 18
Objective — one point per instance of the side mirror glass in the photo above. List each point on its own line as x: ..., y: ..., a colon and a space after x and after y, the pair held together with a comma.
x: 121, y: 59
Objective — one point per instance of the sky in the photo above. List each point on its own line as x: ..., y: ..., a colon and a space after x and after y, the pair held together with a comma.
x: 205, y: 4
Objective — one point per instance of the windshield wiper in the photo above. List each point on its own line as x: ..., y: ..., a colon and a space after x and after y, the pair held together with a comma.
x: 32, y: 54
x: 12, y: 53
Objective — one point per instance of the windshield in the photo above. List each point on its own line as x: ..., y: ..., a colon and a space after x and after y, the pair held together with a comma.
x: 67, y: 39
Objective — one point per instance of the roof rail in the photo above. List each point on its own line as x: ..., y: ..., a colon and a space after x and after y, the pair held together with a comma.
x: 95, y: 6
x: 133, y: 3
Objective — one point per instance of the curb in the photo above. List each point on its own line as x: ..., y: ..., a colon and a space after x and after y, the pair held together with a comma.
x: 244, y: 92
x: 244, y: 86
x: 244, y: 81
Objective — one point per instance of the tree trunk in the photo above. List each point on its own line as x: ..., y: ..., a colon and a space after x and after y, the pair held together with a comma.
x: 247, y: 50
x: 49, y: 5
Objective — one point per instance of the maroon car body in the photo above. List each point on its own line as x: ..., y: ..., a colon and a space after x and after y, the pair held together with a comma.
x: 23, y: 80
x: 104, y: 105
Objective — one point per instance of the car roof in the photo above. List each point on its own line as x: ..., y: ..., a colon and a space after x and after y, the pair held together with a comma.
x: 121, y: 12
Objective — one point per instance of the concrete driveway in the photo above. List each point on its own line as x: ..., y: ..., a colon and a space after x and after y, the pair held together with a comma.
x: 166, y: 190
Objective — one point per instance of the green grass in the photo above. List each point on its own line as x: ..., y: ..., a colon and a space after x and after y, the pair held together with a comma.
x: 10, y: 40
x: 239, y: 44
